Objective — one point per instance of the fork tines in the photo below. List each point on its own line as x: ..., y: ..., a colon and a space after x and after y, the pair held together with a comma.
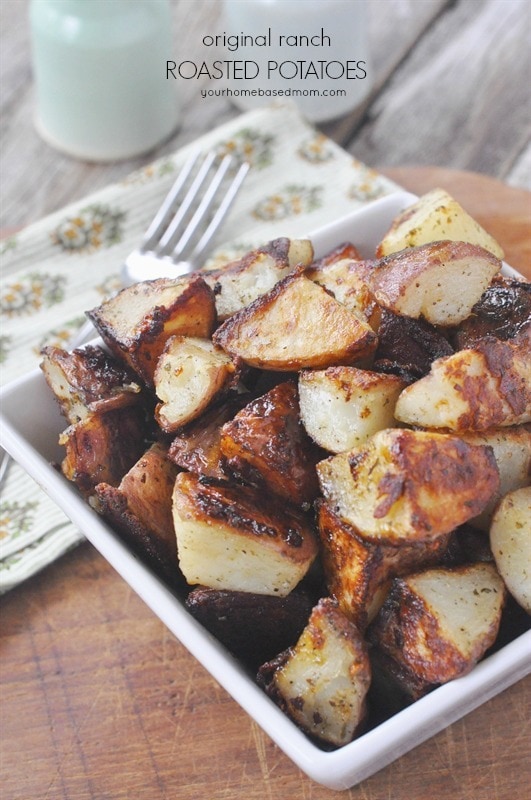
x: 194, y: 207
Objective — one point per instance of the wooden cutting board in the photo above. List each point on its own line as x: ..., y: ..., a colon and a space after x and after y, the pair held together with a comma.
x: 100, y: 702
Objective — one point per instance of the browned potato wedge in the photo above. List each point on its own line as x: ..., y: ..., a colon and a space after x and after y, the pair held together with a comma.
x: 358, y: 572
x: 435, y: 216
x: 472, y: 390
x: 512, y: 451
x: 239, y: 283
x: 407, y: 485
x: 254, y: 627
x: 296, y: 325
x: 435, y: 625
x: 341, y: 407
x: 266, y: 445
x: 197, y: 446
x: 232, y: 538
x: 323, y: 680
x: 510, y: 541
x: 190, y: 374
x: 137, y: 322
x: 140, y: 508
x: 86, y: 380
x: 102, y: 447
x: 503, y: 311
x: 440, y: 281
x: 409, y: 346
x: 343, y: 281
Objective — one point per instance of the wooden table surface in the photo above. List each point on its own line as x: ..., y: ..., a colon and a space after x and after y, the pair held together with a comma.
x: 99, y: 701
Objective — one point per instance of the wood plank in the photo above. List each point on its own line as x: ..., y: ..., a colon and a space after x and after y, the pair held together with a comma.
x: 461, y: 98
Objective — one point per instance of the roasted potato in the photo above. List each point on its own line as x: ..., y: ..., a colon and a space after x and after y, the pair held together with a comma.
x: 232, y: 537
x: 266, y: 445
x: 343, y: 280
x: 102, y: 447
x: 140, y: 509
x: 503, y: 311
x: 407, y: 486
x: 191, y: 373
x: 435, y: 625
x: 407, y: 347
x: 512, y: 450
x: 197, y: 446
x: 440, y: 281
x: 323, y: 680
x: 435, y: 216
x: 136, y: 323
x: 510, y: 541
x: 358, y: 572
x: 296, y: 325
x: 86, y: 380
x: 237, y: 284
x: 472, y: 390
x: 254, y: 627
x: 341, y: 407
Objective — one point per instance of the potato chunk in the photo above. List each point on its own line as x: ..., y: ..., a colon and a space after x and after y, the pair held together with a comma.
x: 254, y: 627
x: 137, y: 322
x: 435, y: 216
x: 232, y: 538
x: 237, y: 284
x: 510, y: 541
x: 266, y: 445
x: 323, y: 682
x: 407, y: 485
x: 140, y: 508
x: 512, y: 450
x: 358, y: 572
x: 435, y: 625
x: 341, y: 407
x: 472, y: 390
x: 102, y: 447
x: 440, y: 281
x: 197, y: 446
x: 296, y: 325
x: 343, y: 280
x: 191, y: 373
x: 86, y: 380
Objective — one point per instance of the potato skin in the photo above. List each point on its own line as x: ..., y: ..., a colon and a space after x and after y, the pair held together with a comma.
x: 103, y: 447
x: 254, y: 627
x: 86, y: 380
x: 266, y: 444
x: 140, y: 509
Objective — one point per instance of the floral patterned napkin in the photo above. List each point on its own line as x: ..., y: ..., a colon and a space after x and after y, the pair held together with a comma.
x: 69, y: 261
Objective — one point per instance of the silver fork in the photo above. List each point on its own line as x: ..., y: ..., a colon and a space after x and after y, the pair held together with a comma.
x: 181, y: 232
x: 184, y: 226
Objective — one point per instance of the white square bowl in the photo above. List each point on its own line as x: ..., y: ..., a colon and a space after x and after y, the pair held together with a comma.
x: 30, y: 424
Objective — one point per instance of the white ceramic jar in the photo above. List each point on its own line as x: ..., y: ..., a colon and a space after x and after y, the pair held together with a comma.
x: 317, y: 50
x: 100, y: 74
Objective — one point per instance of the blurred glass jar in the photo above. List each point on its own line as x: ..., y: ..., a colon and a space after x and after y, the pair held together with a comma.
x: 339, y: 53
x: 100, y: 74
